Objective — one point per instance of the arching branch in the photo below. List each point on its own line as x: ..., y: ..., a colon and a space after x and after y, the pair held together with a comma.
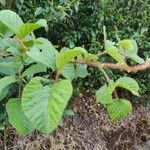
x: 118, y: 66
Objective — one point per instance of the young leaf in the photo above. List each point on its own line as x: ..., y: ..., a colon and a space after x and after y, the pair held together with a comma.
x: 27, y: 28
x: 43, y: 23
x: 126, y: 44
x: 88, y: 57
x: 65, y: 57
x: 11, y: 20
x: 109, y: 43
x: 17, y: 117
x: 103, y: 95
x: 4, y: 82
x: 52, y: 101
x: 114, y: 53
x: 119, y: 108
x: 31, y: 43
x: 133, y: 56
x: 129, y: 84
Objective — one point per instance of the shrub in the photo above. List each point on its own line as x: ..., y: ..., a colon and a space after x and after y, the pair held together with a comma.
x: 41, y: 100
x: 80, y: 22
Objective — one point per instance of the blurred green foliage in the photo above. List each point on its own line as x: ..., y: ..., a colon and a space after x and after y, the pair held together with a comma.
x: 79, y: 23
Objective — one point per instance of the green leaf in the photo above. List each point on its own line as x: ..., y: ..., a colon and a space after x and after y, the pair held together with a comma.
x: 43, y: 23
x: 81, y: 71
x: 133, y: 56
x: 11, y: 20
x: 9, y: 66
x: 68, y: 112
x: 44, y: 53
x: 4, y: 92
x: 27, y: 28
x: 65, y: 57
x: 4, y: 82
x: 129, y: 84
x: 126, y: 44
x: 52, y: 101
x: 88, y: 57
x: 17, y: 117
x: 111, y: 86
x: 103, y: 95
x: 31, y: 43
x: 81, y: 49
x: 34, y: 69
x: 109, y: 43
x: 119, y: 108
x: 69, y: 71
x: 4, y: 31
x: 114, y: 53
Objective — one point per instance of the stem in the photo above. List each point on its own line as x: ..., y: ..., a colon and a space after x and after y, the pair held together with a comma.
x: 57, y: 75
x: 105, y: 74
x: 105, y: 36
x: 108, y: 80
x: 20, y: 81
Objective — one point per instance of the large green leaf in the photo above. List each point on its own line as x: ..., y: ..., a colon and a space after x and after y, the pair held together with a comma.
x: 4, y: 82
x: 17, y: 117
x: 129, y: 84
x: 44, y: 106
x: 9, y: 65
x: 114, y: 53
x: 11, y: 20
x: 27, y: 28
x: 44, y: 53
x: 119, y: 108
x: 65, y: 57
x: 103, y: 95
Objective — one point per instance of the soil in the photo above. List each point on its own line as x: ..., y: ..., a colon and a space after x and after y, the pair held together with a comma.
x: 89, y: 129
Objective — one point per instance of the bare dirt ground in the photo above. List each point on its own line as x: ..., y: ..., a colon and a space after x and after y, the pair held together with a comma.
x: 89, y: 129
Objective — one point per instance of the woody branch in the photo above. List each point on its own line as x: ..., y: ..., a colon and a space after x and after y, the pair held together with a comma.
x: 117, y: 66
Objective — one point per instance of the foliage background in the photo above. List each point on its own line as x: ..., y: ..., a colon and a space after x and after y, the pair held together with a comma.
x: 79, y: 23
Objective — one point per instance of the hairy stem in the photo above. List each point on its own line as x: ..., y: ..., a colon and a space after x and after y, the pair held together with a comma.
x: 117, y: 66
